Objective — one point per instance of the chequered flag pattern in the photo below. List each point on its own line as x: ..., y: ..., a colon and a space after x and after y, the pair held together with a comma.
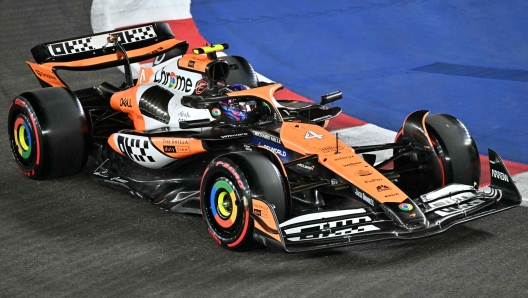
x: 80, y: 45
x: 99, y: 41
x: 134, y: 148
x: 139, y: 34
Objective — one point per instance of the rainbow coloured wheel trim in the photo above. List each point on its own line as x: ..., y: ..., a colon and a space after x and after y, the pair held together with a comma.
x: 223, y: 203
x: 22, y: 137
x: 224, y: 209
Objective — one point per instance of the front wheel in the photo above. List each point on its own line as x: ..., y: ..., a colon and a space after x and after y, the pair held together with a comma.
x: 225, y: 204
x: 229, y: 184
x: 455, y: 159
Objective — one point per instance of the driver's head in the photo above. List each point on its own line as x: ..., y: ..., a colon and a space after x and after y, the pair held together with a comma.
x: 233, y: 109
x: 236, y: 109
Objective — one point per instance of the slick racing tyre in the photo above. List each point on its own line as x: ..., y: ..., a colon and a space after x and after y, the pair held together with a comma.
x: 228, y: 185
x: 457, y: 158
x: 48, y: 133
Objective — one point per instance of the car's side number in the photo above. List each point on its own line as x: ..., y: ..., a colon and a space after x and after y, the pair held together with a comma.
x: 312, y: 135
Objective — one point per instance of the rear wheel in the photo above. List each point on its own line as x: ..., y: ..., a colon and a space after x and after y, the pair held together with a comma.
x: 48, y: 133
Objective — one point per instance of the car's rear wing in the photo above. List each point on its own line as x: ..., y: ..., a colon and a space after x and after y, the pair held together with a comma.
x: 91, y: 52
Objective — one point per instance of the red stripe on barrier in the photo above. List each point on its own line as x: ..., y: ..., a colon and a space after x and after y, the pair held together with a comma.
x: 186, y: 30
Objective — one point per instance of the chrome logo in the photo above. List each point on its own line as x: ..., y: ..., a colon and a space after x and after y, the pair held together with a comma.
x: 216, y: 112
x: 405, y: 207
x: 22, y: 138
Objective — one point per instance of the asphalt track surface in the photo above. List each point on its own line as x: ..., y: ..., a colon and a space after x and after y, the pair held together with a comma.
x: 72, y: 238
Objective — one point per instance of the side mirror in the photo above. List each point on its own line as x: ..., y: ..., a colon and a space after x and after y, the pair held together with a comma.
x: 331, y: 97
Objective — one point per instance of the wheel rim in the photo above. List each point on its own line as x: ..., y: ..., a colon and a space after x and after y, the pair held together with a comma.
x: 223, y: 210
x: 22, y: 141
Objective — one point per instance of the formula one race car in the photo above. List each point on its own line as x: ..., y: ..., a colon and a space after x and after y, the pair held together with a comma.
x: 198, y: 133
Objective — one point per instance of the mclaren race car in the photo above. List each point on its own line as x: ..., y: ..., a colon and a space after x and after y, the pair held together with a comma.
x: 198, y: 133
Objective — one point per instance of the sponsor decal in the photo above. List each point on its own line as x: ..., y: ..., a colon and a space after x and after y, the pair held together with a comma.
x: 412, y: 215
x: 364, y: 197
x: 102, y: 174
x: 327, y: 149
x: 353, y: 164
x: 381, y: 188
x: 234, y: 135
x: 216, y: 112
x: 191, y: 63
x: 201, y: 86
x: 373, y: 180
x: 118, y: 179
x: 312, y: 135
x: 214, y: 236
x: 274, y: 150
x: 175, y: 141
x: 173, y: 81
x: 334, y: 181
x: 125, y: 102
x: 45, y: 75
x: 344, y: 157
x: 156, y: 51
x: 392, y: 195
x: 499, y: 175
x: 306, y: 167
x: 247, y: 147
x: 159, y: 59
x: 267, y: 137
x: 184, y: 114
x: 461, y: 207
x: 169, y: 149
x: 405, y: 207
x: 27, y: 174
x: 261, y: 210
x: 281, y: 152
x: 332, y: 229
x: 363, y: 173
x: 19, y: 102
x: 233, y: 171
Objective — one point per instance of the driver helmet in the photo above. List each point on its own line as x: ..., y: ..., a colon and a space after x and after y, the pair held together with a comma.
x: 236, y: 109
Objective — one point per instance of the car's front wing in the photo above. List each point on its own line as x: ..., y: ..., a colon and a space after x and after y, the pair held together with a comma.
x: 442, y: 209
